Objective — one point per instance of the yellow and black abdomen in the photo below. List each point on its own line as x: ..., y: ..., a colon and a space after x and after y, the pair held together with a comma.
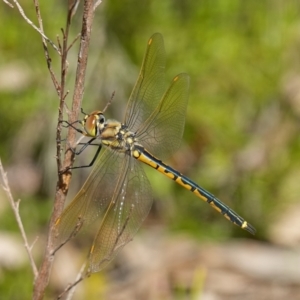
x: 147, y: 158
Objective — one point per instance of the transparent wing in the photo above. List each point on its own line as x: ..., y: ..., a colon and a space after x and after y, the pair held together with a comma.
x: 86, y: 206
x: 118, y: 195
x: 149, y: 86
x: 99, y: 192
x: 130, y: 204
x: 162, y: 132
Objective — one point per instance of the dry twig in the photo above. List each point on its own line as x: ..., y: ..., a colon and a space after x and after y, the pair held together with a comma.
x: 15, y: 207
x: 89, y: 6
x: 64, y: 178
x: 8, y: 3
x: 21, y: 11
x: 48, y: 59
x: 71, y: 288
x: 97, y: 3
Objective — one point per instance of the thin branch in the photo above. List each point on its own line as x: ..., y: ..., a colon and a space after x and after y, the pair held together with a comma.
x: 73, y: 5
x: 33, y: 243
x: 59, y: 43
x: 97, y: 3
x: 109, y: 102
x: 71, y: 288
x: 72, y: 234
x: 9, y: 4
x: 75, y: 40
x: 48, y: 59
x: 64, y: 68
x: 65, y: 96
x: 15, y: 207
x: 64, y: 179
x: 21, y: 11
x: 88, y: 15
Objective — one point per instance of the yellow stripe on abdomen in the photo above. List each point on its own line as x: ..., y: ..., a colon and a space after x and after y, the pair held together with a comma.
x: 144, y: 156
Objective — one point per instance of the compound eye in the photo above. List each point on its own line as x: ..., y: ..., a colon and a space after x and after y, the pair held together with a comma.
x: 90, y: 125
x: 101, y: 119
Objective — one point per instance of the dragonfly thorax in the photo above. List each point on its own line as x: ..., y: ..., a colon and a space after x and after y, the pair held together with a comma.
x: 117, y: 136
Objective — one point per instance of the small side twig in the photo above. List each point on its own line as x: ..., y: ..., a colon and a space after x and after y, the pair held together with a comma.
x: 8, y: 3
x: 21, y: 11
x: 15, y: 207
x: 73, y: 5
x: 69, y: 290
x: 74, y: 41
x: 47, y: 55
x: 109, y: 102
x: 97, y: 3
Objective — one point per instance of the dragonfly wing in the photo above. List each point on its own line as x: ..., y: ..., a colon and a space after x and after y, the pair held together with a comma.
x: 162, y: 132
x: 149, y: 86
x: 130, y: 204
x: 92, y: 200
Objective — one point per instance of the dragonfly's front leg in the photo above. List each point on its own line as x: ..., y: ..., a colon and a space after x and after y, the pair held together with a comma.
x: 68, y: 124
x: 89, y: 143
x: 85, y: 145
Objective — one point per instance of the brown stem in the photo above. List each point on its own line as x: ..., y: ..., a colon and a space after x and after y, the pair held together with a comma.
x: 64, y: 179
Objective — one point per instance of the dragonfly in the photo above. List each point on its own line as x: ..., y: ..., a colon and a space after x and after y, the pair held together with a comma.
x: 117, y: 194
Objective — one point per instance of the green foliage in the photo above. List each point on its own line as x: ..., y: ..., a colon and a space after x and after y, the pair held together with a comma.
x: 16, y: 283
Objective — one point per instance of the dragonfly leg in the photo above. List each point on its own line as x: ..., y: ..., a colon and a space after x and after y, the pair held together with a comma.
x: 83, y: 147
x: 80, y: 151
x: 72, y: 125
x: 94, y: 158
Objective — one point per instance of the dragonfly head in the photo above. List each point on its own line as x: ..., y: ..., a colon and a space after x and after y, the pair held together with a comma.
x: 94, y: 123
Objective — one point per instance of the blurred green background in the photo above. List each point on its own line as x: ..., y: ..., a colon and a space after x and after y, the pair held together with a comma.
x: 241, y: 139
